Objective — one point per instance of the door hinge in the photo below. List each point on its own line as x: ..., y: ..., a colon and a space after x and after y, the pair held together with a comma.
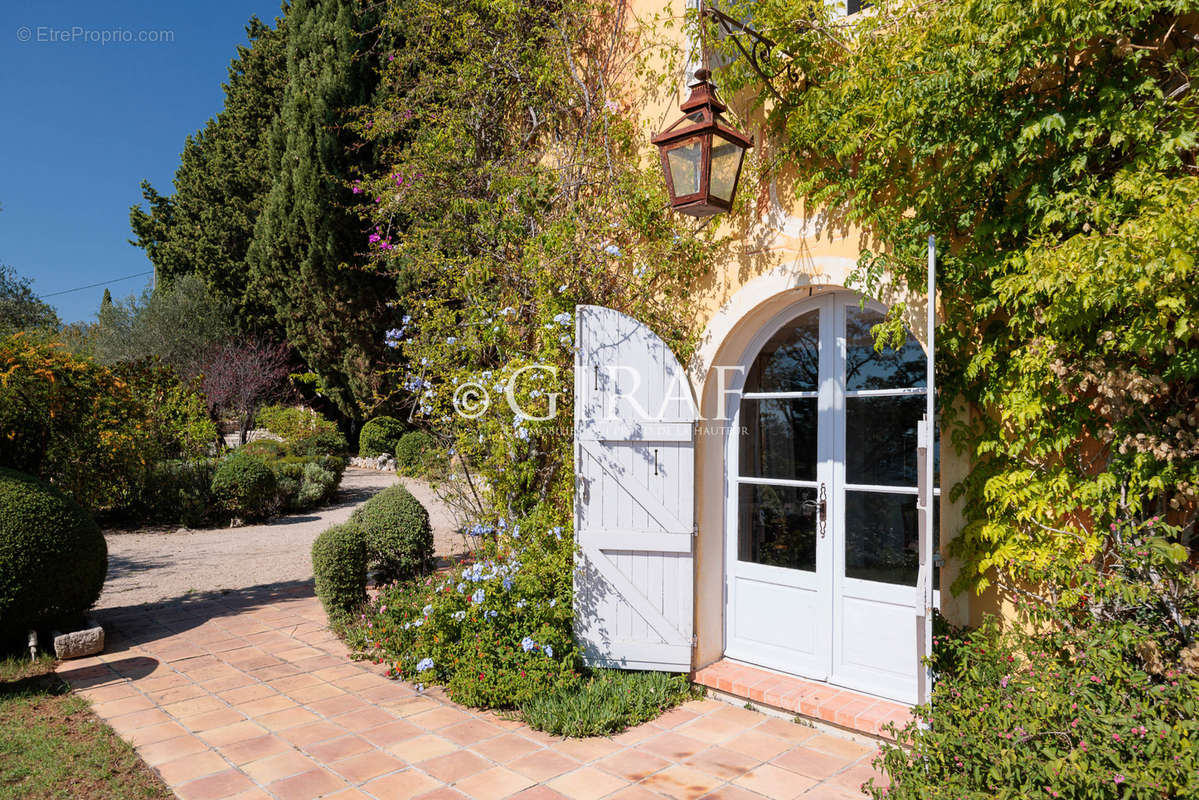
x: 695, y: 530
x: 694, y: 641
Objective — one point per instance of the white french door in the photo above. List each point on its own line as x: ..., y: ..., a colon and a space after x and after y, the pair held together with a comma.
x: 822, y: 531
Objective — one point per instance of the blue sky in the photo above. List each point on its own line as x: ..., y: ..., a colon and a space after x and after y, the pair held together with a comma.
x: 85, y: 121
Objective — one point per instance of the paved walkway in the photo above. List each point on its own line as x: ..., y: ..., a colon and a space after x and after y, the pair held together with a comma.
x: 246, y: 694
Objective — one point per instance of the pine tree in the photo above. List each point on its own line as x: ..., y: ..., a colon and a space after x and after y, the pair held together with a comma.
x: 308, y: 241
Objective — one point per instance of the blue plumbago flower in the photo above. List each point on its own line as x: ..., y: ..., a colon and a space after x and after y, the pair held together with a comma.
x: 553, y: 602
x: 562, y: 288
x: 507, y: 584
x: 427, y: 611
x: 407, y: 626
x: 564, y: 340
x: 527, y: 644
x: 639, y: 271
x: 424, y: 664
x: 522, y: 434
x: 406, y: 319
x: 420, y: 687
x: 393, y: 337
x: 491, y: 614
x: 516, y: 531
x: 461, y: 588
x: 557, y: 531
x: 521, y: 603
x: 478, y: 596
x: 613, y: 251
x: 549, y: 651
x: 459, y: 615
x: 506, y: 311
x: 451, y: 340
x: 416, y: 623
x: 563, y: 318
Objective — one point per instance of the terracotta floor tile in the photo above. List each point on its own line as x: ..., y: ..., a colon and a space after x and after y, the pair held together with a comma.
x: 673, y: 746
x: 812, y: 763
x: 785, y: 729
x: 312, y: 732
x: 287, y: 718
x: 493, y: 784
x: 126, y: 705
x: 775, y: 782
x: 724, y: 763
x: 711, y: 729
x: 539, y: 793
x: 853, y: 778
x: 231, y: 734
x: 265, y: 705
x: 409, y: 783
x: 439, y: 717
x: 244, y: 694
x: 732, y: 792
x: 632, y: 765
x: 503, y: 749
x: 635, y: 793
x: 840, y: 746
x: 391, y: 733
x: 364, y: 720
x: 255, y: 749
x: 212, y: 719
x: 153, y: 733
x: 176, y: 694
x: 192, y: 766
x: 337, y: 749
x: 543, y: 765
x: 758, y: 745
x: 317, y: 692
x: 180, y: 746
x: 215, y: 787
x: 307, y: 785
x: 294, y: 682
x: 139, y: 719
x: 469, y: 732
x: 455, y: 766
x: 586, y: 750
x: 587, y: 783
x: 675, y: 717
x: 197, y: 705
x: 444, y: 793
x: 276, y: 767
x: 846, y: 715
x: 367, y: 765
x: 336, y: 705
x: 683, y: 782
x: 106, y: 694
x: 422, y: 748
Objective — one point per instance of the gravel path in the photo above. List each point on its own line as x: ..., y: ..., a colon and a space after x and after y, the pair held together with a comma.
x: 153, y: 566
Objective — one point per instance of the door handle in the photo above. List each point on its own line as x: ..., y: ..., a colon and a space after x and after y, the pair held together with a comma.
x: 822, y: 511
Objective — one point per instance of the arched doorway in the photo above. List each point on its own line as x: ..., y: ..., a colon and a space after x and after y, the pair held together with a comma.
x: 821, y: 536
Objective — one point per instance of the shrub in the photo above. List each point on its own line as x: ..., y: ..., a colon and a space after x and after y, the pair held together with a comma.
x: 177, y: 492
x: 317, y: 486
x: 265, y: 449
x: 53, y: 558
x: 1097, y: 696
x: 380, y: 435
x: 245, y: 486
x: 305, y: 432
x: 288, y: 480
x: 606, y: 702
x: 495, y: 632
x: 339, y: 567
x: 396, y: 528
x: 413, y: 453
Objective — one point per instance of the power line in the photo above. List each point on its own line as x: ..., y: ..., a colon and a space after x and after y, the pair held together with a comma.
x: 101, y: 283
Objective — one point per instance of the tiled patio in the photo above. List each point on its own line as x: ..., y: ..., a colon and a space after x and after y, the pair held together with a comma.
x: 249, y: 696
x: 843, y: 708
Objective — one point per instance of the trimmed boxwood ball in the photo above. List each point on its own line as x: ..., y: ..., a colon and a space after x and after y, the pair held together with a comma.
x: 395, y: 525
x: 412, y: 452
x: 380, y: 435
x: 339, y: 562
x: 53, y: 558
x: 245, y: 486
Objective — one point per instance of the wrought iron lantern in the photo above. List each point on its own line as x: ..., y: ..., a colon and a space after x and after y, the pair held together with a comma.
x: 702, y: 154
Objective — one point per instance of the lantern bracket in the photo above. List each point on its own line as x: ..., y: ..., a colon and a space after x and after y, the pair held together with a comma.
x: 760, y: 47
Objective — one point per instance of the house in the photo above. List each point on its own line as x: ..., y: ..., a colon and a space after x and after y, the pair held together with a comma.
x: 759, y: 505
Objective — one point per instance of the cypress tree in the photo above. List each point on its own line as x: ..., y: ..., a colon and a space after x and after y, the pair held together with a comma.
x: 308, y: 241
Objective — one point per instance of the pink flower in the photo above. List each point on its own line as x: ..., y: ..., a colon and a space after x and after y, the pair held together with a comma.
x: 374, y: 237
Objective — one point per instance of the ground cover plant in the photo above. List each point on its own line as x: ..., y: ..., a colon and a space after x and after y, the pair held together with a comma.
x: 52, y: 746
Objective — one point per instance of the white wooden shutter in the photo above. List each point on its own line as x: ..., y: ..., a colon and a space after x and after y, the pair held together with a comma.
x: 634, y: 495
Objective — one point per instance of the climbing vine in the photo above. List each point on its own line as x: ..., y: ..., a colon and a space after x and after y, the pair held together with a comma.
x: 1051, y: 147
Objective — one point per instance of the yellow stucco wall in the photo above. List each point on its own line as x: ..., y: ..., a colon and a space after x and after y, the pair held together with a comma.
x: 780, y: 252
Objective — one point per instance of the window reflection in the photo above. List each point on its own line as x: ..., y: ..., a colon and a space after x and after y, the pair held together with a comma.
x: 777, y: 526
x: 790, y: 361
x: 866, y: 368
x: 778, y: 439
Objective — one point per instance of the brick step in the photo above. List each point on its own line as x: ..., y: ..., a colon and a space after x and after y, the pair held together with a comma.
x: 844, y: 708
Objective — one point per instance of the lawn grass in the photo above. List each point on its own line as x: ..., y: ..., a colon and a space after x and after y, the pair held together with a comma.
x: 53, y: 746
x: 607, y: 702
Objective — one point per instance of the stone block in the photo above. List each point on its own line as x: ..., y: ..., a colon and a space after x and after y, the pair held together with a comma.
x: 77, y: 644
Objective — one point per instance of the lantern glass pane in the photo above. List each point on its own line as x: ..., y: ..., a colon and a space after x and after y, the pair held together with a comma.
x: 685, y: 164
x: 726, y: 163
